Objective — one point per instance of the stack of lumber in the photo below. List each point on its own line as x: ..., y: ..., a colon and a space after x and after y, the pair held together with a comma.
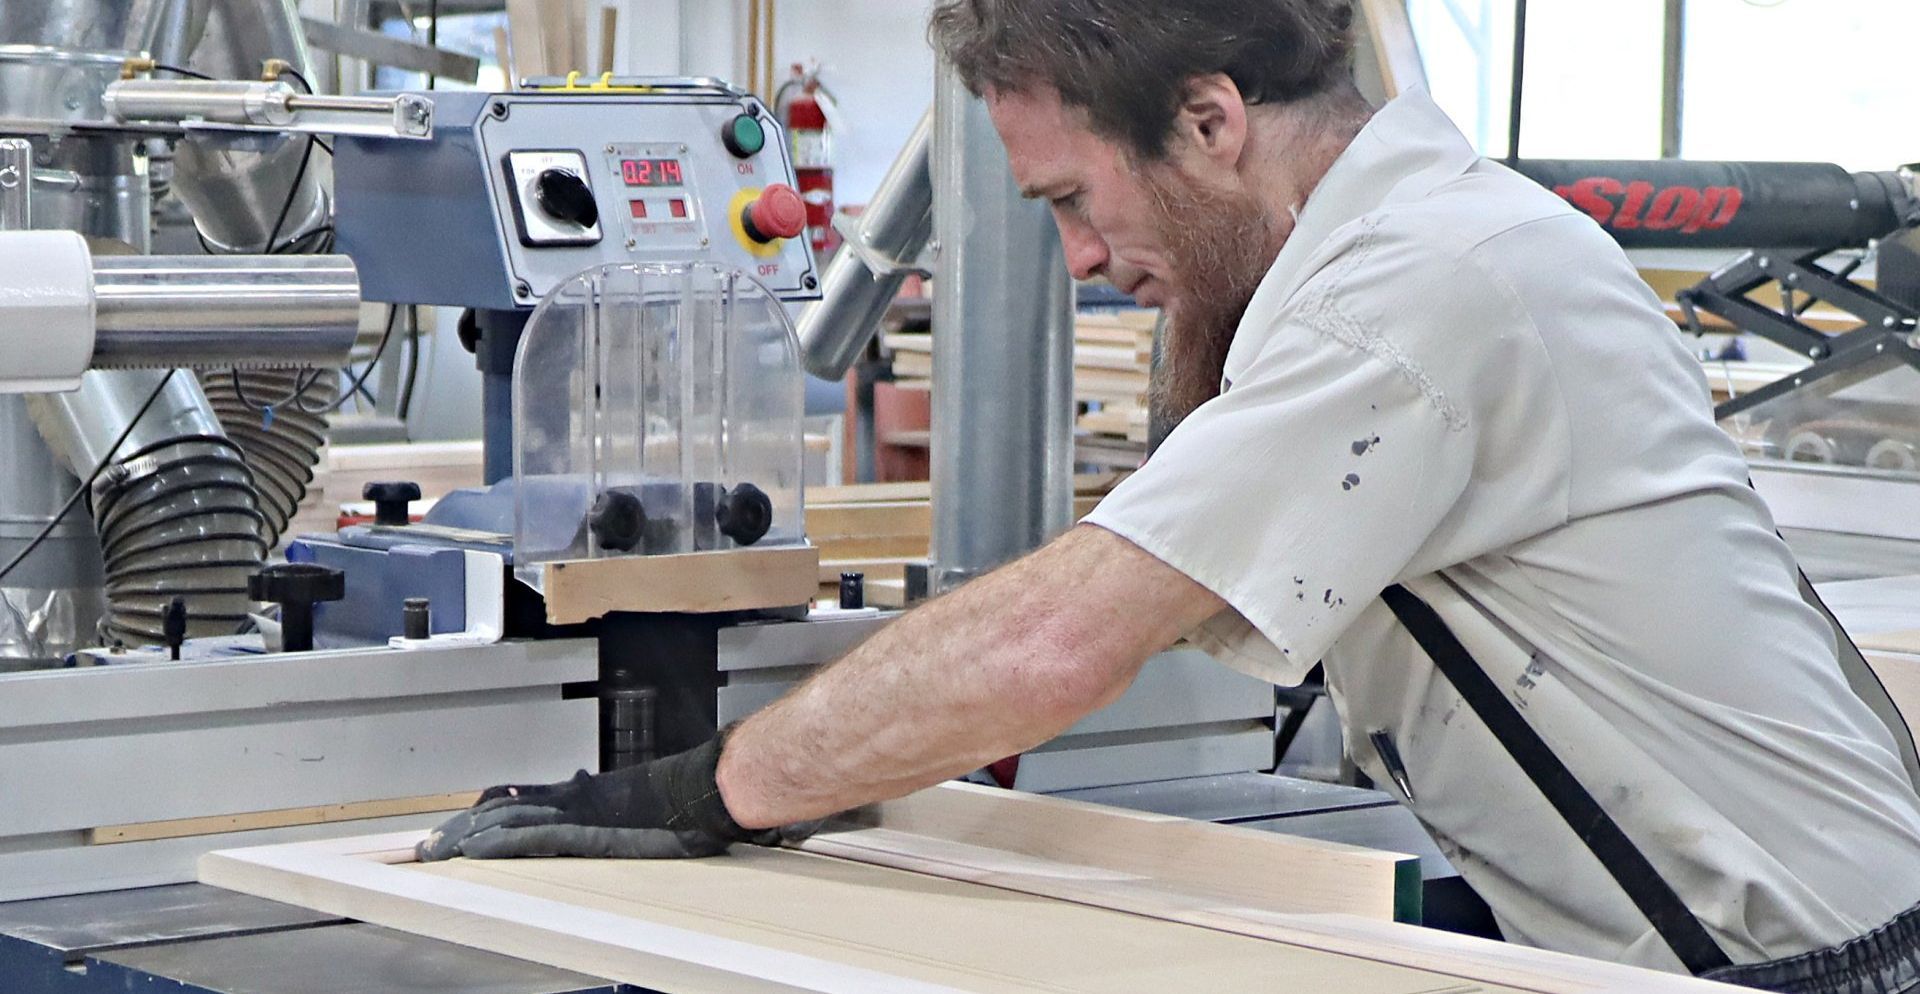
x: 877, y: 528
x: 1111, y: 355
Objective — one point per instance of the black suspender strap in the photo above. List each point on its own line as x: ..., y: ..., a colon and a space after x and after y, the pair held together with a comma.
x: 1628, y: 866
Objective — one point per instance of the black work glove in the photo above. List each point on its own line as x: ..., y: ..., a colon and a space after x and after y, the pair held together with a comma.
x: 665, y: 809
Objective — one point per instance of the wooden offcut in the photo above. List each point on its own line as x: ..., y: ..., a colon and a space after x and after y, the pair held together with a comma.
x: 694, y: 583
x: 320, y: 814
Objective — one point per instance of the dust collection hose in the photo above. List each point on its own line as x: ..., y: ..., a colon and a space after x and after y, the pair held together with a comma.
x: 178, y: 519
x: 282, y: 449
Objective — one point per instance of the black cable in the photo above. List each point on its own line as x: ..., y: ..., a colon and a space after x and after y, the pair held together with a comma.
x: 405, y: 406
x: 184, y: 72
x: 295, y: 73
x: 433, y: 35
x: 393, y: 312
x: 1519, y: 79
x: 286, y: 207
x: 301, y: 384
x: 87, y: 484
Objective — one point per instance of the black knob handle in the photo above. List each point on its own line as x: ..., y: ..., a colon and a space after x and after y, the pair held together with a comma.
x: 390, y: 499
x: 297, y: 587
x: 744, y: 514
x: 617, y: 520
x: 563, y: 194
x: 173, y: 625
x: 853, y: 590
x: 416, y: 618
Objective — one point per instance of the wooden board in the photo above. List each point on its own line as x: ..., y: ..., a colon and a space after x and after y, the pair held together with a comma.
x: 781, y: 920
x: 695, y: 583
x: 323, y: 814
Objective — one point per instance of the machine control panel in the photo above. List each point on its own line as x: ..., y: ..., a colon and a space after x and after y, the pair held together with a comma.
x: 519, y: 191
x: 592, y: 178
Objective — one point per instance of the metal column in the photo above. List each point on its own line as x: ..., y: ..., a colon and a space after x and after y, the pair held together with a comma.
x: 1002, y: 353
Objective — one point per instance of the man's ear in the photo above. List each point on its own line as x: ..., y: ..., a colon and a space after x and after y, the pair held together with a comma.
x: 1211, y: 124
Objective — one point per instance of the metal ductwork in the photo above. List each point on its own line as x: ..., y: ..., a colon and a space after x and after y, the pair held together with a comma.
x: 879, y: 254
x: 236, y: 192
x: 1002, y: 353
x: 178, y: 511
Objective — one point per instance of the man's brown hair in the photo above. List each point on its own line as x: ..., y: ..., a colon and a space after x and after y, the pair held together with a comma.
x: 1127, y: 62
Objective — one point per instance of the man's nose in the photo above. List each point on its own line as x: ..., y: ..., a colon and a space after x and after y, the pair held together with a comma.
x: 1086, y: 252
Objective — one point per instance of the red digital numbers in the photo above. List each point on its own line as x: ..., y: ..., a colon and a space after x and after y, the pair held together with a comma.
x: 651, y: 172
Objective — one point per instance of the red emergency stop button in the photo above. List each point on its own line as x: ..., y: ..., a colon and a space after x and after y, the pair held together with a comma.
x: 777, y: 213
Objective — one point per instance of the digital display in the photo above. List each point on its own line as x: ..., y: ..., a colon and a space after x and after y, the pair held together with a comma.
x: 651, y: 172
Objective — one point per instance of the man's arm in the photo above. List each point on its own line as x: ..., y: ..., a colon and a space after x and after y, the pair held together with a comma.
x: 1006, y: 662
x: 999, y: 666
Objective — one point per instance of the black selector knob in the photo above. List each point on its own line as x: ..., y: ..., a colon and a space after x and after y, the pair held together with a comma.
x: 297, y: 587
x: 617, y: 520
x: 390, y: 499
x: 564, y: 195
x: 744, y: 514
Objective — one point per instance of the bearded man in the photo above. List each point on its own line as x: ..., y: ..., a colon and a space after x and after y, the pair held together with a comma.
x: 1435, y: 432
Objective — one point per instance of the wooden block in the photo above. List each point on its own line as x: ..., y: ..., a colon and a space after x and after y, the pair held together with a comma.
x: 903, y: 517
x: 695, y: 583
x: 282, y: 818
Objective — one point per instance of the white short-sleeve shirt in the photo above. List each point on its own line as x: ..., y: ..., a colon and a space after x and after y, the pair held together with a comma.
x: 1452, y: 380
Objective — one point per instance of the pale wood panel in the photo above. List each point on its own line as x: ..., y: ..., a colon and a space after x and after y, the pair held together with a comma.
x: 780, y: 920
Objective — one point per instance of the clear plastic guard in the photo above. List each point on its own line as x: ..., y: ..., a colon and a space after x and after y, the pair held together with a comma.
x: 1865, y: 418
x: 651, y: 403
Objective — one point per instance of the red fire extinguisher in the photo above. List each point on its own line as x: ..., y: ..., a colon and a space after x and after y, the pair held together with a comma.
x: 802, y: 105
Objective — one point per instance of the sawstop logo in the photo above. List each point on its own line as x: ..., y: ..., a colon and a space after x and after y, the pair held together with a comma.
x: 1621, y: 206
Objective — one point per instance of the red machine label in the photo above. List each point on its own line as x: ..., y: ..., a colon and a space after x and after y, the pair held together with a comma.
x: 1626, y: 206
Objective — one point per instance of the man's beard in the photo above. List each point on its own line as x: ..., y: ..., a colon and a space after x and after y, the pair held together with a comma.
x: 1219, y: 247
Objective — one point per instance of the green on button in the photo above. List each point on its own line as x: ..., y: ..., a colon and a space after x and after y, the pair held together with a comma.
x: 743, y: 136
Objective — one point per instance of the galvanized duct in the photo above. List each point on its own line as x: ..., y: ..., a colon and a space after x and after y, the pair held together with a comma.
x: 237, y: 193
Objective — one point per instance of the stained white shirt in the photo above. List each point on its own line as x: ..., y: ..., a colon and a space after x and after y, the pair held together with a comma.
x: 1452, y: 380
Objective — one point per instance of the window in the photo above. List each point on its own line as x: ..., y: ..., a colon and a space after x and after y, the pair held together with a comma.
x: 1807, y: 80
x: 1826, y: 80
x: 1593, y: 73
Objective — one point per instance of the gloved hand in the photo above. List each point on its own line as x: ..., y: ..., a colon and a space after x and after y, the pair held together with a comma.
x: 664, y: 809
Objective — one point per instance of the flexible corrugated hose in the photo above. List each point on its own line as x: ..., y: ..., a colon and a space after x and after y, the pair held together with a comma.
x: 178, y: 519
x: 282, y: 449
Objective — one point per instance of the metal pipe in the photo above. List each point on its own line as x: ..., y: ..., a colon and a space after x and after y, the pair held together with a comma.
x: 208, y: 311
x: 218, y: 101
x: 16, y: 184
x: 878, y: 256
x: 1003, y: 353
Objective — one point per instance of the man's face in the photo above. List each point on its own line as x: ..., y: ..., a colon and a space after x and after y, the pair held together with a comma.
x: 1197, y: 248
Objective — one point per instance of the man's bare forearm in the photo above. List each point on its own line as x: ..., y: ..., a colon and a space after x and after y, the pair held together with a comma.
x: 1001, y: 665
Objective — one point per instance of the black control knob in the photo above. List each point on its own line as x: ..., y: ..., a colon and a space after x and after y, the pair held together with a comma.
x: 617, y: 520
x: 564, y: 195
x: 297, y: 587
x: 390, y: 499
x: 744, y: 514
